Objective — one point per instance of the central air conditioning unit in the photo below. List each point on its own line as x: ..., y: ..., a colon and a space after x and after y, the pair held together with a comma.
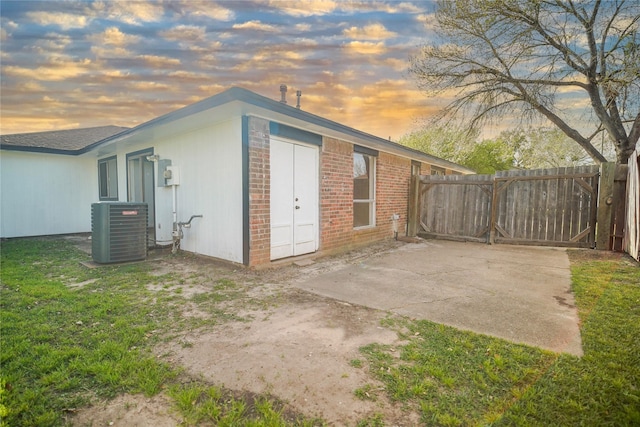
x: 118, y: 232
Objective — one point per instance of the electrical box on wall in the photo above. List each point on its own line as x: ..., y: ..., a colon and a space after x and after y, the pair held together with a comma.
x: 162, y: 167
x: 172, y: 175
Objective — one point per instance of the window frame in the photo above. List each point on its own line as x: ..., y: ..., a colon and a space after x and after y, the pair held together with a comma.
x: 111, y: 181
x: 371, y: 201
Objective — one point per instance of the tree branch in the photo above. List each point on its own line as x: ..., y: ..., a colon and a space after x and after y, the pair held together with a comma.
x: 535, y: 24
x: 526, y: 52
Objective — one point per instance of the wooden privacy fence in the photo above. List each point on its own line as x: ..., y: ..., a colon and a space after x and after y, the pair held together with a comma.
x: 550, y: 207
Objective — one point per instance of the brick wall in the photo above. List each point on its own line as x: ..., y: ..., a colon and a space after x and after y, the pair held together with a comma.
x: 259, y: 192
x: 336, y: 197
x: 425, y: 169
x: 393, y: 175
x: 392, y: 193
x: 336, y: 194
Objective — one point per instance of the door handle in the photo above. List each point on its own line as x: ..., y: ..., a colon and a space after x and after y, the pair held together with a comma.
x: 297, y: 207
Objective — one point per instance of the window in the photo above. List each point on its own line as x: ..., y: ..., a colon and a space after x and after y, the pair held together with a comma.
x: 415, y: 167
x: 435, y: 170
x: 108, y: 178
x: 363, y: 190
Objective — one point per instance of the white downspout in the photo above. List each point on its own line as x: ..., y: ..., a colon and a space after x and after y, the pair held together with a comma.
x: 173, y: 179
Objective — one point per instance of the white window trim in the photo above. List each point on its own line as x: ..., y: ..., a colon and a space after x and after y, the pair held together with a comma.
x: 372, y: 202
x: 113, y: 192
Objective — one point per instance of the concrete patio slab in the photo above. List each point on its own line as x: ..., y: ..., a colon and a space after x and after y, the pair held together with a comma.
x: 519, y: 293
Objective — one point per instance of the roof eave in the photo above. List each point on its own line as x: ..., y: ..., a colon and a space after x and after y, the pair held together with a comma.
x: 43, y: 150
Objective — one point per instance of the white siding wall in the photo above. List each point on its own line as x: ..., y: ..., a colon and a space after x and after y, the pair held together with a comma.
x: 210, y: 166
x: 43, y: 194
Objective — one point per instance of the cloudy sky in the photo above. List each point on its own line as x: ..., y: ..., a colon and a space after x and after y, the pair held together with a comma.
x: 68, y: 64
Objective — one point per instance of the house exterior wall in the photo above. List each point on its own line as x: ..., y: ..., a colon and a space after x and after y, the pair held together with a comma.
x: 336, y: 195
x: 393, y: 175
x: 209, y: 161
x: 210, y: 165
x: 392, y: 193
x: 45, y: 194
x: 259, y: 191
x: 337, y: 234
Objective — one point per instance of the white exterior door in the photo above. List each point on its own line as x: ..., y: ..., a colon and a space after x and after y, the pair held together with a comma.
x: 141, y: 187
x: 294, y: 199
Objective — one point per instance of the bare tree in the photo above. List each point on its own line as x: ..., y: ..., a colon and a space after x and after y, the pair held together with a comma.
x: 540, y: 58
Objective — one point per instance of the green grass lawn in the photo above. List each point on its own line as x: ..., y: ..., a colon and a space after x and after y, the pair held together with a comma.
x: 62, y: 346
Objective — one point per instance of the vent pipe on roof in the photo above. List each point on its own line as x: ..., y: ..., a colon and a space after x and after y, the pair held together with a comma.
x: 298, y: 94
x: 283, y: 93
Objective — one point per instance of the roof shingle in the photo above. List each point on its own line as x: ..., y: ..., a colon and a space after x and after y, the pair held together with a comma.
x: 59, y: 140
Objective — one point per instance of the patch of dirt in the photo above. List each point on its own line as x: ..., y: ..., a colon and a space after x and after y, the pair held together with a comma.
x: 593, y: 255
x: 128, y: 410
x: 586, y: 255
x: 297, y: 346
x: 299, y: 353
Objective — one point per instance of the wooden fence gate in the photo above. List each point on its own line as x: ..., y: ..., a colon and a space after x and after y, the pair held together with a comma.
x: 547, y: 207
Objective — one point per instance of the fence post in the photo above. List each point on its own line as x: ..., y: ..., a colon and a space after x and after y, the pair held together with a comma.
x: 414, y: 206
x: 619, y: 208
x: 605, y: 206
x: 493, y: 211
